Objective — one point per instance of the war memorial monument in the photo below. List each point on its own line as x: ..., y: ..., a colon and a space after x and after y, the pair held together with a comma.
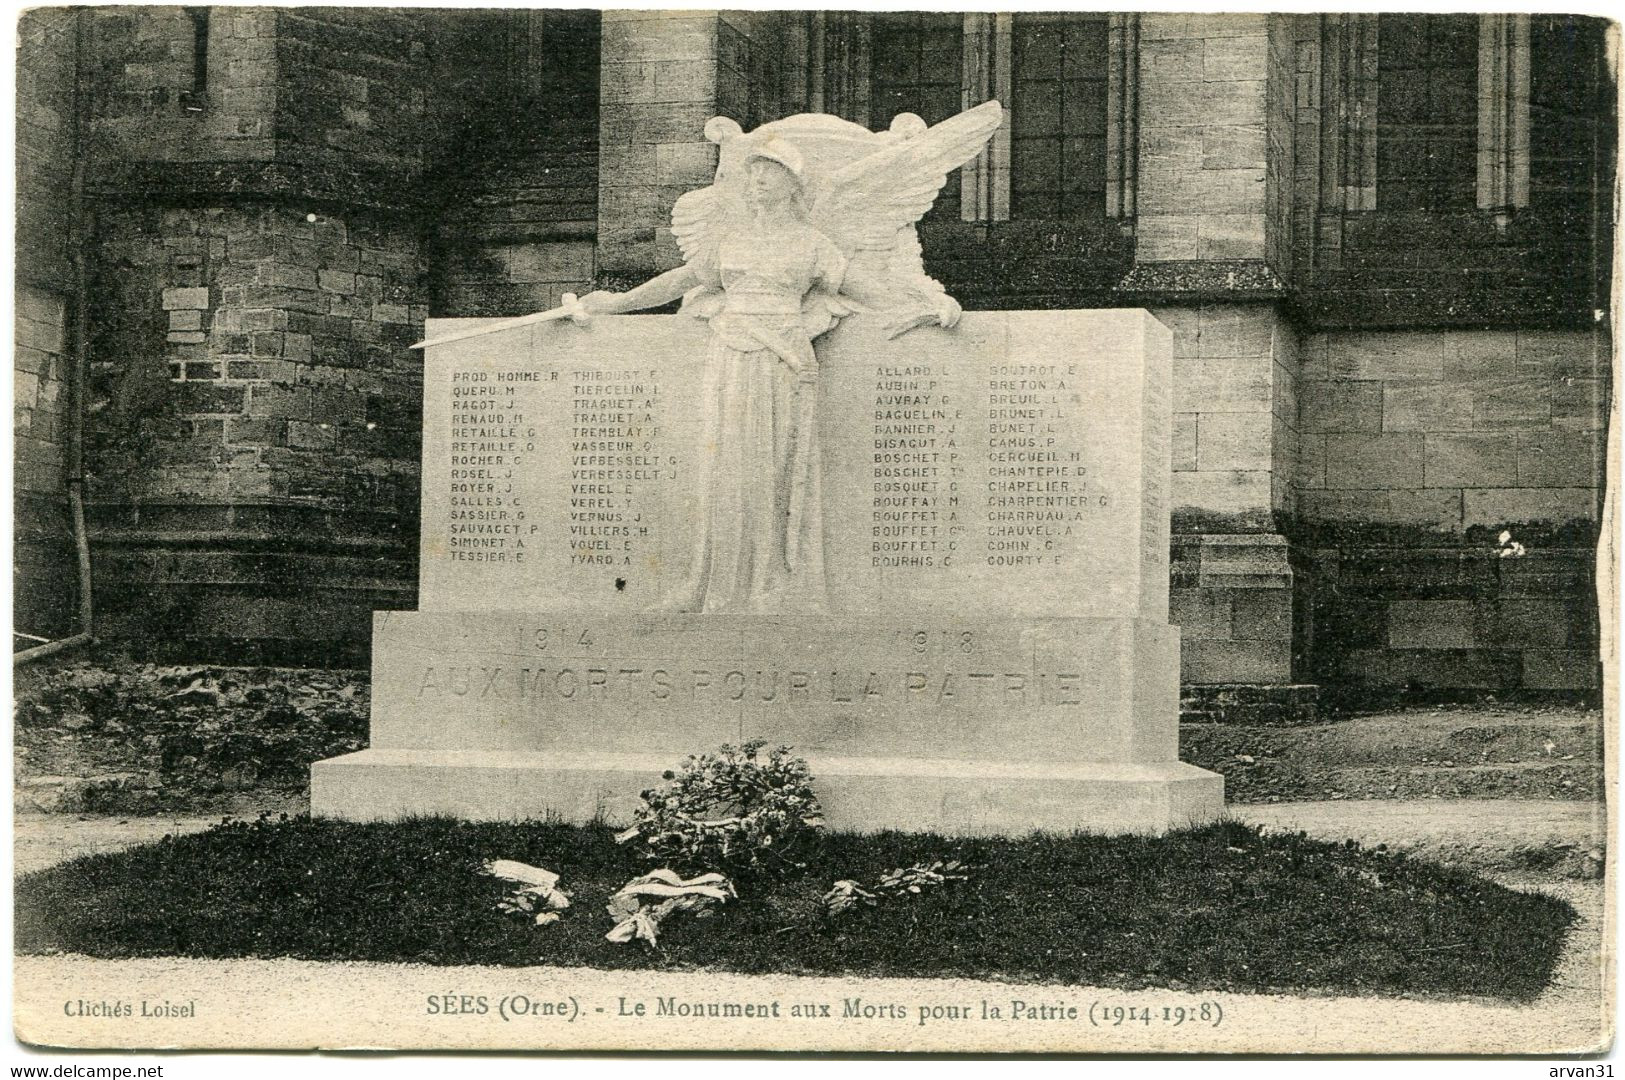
x: 819, y: 506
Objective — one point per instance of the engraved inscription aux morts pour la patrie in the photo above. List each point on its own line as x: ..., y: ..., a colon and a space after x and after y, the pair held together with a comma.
x: 930, y: 552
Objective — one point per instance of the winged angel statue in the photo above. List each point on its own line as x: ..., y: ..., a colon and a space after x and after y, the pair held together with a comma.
x: 809, y: 219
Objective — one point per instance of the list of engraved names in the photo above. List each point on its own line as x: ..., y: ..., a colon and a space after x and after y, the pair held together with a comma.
x: 615, y: 441
x: 490, y: 437
x: 985, y: 472
x: 917, y: 468
x: 1035, y: 493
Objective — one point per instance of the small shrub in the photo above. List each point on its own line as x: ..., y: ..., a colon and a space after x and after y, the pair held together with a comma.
x: 730, y: 811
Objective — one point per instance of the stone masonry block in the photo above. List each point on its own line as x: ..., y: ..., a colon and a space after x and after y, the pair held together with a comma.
x: 1232, y: 441
x: 1261, y: 615
x: 1233, y: 554
x: 1560, y: 459
x: 1518, y: 403
x: 1496, y: 508
x: 1533, y: 622
x: 1236, y: 330
x: 1326, y: 406
x: 1231, y: 491
x: 46, y: 337
x: 627, y: 162
x: 1227, y: 24
x: 654, y: 81
x: 38, y: 362
x: 1185, y: 322
x: 1388, y: 355
x: 303, y: 435
x: 1431, y: 624
x: 1167, y: 152
x: 1222, y: 384
x: 1575, y: 353
x: 1224, y: 192
x: 1374, y: 461
x: 188, y: 319
x: 1470, y: 461
x: 1579, y: 404
x: 1231, y: 59
x: 1430, y: 508
x: 194, y: 298
x: 1231, y: 236
x: 1163, y: 237
x: 685, y: 163
x: 39, y: 305
x: 242, y: 431
x: 1184, y: 442
x: 292, y: 277
x: 556, y: 261
x: 1312, y: 461
x: 660, y: 36
x: 1454, y: 668
x: 1480, y: 354
x: 1238, y: 146
x: 208, y: 397
x: 280, y: 402
x: 1201, y: 104
x: 334, y: 281
x: 1200, y: 613
x: 1162, y: 60
x: 1427, y: 406
x: 1561, y: 669
x: 1235, y: 662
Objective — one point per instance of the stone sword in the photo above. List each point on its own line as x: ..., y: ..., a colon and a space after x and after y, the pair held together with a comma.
x: 570, y: 309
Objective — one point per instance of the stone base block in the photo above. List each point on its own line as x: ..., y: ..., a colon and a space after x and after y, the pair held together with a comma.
x: 869, y: 794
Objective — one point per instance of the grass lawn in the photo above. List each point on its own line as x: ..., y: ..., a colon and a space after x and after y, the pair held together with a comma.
x: 1219, y: 907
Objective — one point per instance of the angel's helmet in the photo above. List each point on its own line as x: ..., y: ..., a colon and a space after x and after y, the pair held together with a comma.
x: 784, y: 178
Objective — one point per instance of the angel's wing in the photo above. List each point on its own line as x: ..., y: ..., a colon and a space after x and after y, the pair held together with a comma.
x: 699, y: 220
x: 906, y: 260
x: 696, y: 221
x: 868, y: 201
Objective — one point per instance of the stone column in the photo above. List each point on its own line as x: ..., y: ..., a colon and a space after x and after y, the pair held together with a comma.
x: 258, y: 278
x: 1213, y: 247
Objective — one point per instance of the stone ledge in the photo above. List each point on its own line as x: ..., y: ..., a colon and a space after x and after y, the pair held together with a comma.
x: 953, y: 797
x: 1186, y: 280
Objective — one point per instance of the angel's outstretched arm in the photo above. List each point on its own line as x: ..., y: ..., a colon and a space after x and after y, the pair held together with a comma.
x: 652, y: 293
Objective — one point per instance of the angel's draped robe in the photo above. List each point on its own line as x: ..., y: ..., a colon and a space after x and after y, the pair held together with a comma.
x: 759, y: 540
